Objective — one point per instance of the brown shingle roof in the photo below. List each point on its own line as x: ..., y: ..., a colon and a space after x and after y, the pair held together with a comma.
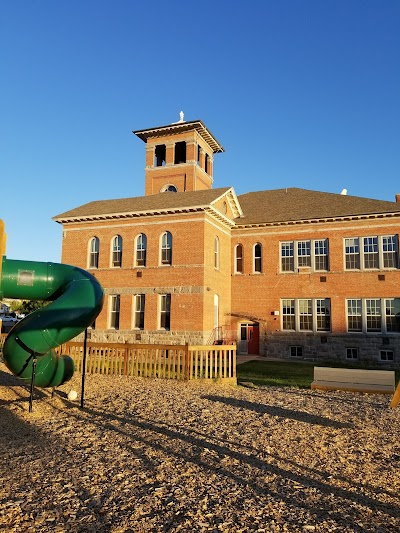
x: 293, y: 204
x: 141, y: 204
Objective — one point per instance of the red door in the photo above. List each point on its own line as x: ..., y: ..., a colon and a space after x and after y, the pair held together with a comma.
x: 253, y: 339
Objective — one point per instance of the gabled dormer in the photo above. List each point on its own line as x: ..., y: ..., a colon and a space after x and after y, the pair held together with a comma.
x: 179, y: 157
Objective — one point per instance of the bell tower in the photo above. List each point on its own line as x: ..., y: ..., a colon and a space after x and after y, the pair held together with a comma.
x: 179, y: 157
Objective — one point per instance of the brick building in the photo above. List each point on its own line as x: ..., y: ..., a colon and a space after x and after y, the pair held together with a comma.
x: 284, y: 273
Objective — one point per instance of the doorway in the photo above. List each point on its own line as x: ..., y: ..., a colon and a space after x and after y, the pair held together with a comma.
x: 249, y: 336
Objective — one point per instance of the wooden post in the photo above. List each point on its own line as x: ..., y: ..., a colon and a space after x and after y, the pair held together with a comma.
x: 186, y: 362
x: 83, y: 367
x: 396, y: 397
x: 32, y: 382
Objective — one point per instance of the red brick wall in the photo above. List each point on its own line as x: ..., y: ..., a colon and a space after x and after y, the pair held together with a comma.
x: 259, y: 295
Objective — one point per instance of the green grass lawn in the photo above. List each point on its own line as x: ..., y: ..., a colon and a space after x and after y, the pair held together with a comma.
x: 281, y: 374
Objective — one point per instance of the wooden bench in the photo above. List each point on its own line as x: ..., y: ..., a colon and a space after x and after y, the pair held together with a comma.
x: 354, y: 380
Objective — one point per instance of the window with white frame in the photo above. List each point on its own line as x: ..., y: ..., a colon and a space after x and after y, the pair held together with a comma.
x: 306, y: 314
x: 392, y: 314
x: 141, y: 249
x: 321, y: 254
x: 114, y: 310
x: 165, y: 311
x: 94, y: 245
x: 373, y: 315
x: 216, y: 253
x: 257, y: 260
x: 371, y: 253
x: 139, y: 304
x: 166, y: 248
x: 307, y: 254
x: 116, y: 252
x: 239, y: 259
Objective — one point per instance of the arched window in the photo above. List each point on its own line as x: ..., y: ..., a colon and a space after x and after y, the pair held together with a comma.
x: 257, y: 262
x: 116, y: 251
x: 141, y: 248
x: 93, y: 260
x: 166, y: 248
x: 239, y: 259
x: 169, y: 188
x: 216, y: 253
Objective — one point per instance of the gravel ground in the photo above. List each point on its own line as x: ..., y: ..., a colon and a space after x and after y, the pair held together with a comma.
x: 148, y: 455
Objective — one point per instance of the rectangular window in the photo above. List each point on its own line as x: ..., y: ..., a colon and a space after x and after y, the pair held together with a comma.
x: 321, y: 254
x: 351, y: 353
x: 373, y: 315
x: 180, y: 152
x: 323, y: 314
x: 304, y: 255
x: 165, y: 311
x: 352, y: 254
x: 296, y: 351
x: 354, y: 318
x: 160, y: 152
x: 206, y: 163
x: 371, y: 256
x: 390, y: 251
x: 376, y: 252
x: 392, y: 307
x: 306, y: 314
x: 288, y: 315
x: 139, y: 303
x: 287, y: 256
x: 386, y: 355
x: 373, y: 310
x: 114, y: 311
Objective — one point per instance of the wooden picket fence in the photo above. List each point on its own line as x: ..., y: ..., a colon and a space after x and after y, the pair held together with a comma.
x: 182, y: 362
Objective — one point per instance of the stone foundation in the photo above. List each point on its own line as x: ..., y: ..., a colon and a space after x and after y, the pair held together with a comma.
x: 193, y: 338
x: 322, y: 348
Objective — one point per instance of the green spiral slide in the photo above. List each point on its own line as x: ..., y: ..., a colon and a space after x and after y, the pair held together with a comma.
x: 76, y: 299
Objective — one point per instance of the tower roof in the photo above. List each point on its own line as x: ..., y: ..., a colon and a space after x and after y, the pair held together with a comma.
x: 180, y: 127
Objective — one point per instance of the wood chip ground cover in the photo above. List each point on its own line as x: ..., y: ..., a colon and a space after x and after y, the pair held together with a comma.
x: 148, y: 455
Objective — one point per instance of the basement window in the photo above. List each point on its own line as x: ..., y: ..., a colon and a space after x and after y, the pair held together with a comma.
x: 296, y: 351
x: 180, y: 152
x: 160, y: 155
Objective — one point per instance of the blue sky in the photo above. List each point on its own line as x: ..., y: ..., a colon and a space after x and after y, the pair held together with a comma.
x: 301, y: 93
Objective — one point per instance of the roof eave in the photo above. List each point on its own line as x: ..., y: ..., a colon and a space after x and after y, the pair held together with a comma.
x: 197, y: 125
x: 243, y: 224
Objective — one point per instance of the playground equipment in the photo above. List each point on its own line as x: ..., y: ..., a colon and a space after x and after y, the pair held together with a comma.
x: 76, y: 299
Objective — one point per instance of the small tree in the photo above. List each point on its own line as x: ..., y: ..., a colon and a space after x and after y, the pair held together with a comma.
x: 28, y: 306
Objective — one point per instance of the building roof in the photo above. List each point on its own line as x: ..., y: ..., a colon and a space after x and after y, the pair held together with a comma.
x: 180, y: 127
x: 279, y: 206
x: 295, y: 205
x: 156, y: 203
